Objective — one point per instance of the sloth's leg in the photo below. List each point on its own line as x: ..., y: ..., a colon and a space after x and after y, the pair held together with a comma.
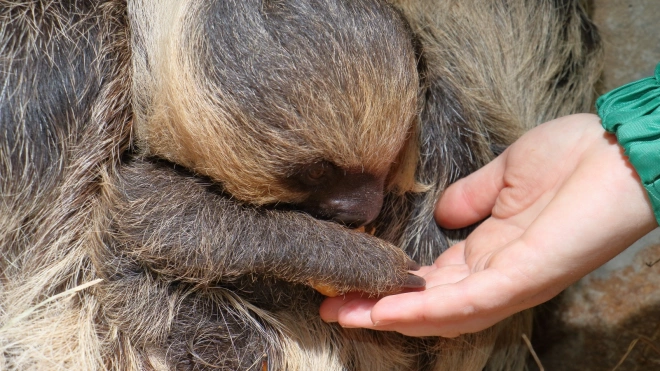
x: 175, y: 225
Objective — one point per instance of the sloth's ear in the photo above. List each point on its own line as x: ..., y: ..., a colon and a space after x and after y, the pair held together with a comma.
x: 401, y: 178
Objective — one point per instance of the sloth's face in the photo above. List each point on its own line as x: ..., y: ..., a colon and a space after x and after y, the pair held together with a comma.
x: 308, y: 103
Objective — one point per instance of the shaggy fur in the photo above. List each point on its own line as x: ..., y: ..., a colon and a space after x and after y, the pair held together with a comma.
x: 200, y: 270
x: 230, y: 89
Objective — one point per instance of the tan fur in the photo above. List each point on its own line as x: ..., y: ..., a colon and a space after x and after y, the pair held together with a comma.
x: 47, y: 226
x: 190, y: 121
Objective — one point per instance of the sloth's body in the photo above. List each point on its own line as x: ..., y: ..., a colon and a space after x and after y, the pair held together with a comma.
x: 242, y: 112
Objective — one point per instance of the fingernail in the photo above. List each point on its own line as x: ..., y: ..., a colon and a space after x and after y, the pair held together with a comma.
x: 382, y: 323
x: 413, y: 265
x: 414, y: 282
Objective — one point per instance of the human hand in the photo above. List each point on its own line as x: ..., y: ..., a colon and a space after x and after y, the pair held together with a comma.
x: 562, y: 201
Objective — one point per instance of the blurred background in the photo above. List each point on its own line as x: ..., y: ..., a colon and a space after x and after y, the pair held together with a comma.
x: 631, y: 33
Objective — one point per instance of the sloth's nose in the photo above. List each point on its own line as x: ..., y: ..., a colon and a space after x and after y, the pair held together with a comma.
x: 356, y: 213
x: 353, y: 213
x: 353, y: 200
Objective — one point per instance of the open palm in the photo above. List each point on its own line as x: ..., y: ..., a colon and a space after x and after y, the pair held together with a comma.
x: 559, y: 202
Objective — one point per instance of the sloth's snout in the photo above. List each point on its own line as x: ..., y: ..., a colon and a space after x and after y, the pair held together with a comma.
x: 354, y: 200
x: 356, y: 213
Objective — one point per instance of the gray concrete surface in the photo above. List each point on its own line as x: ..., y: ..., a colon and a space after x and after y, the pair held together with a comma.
x: 631, y: 34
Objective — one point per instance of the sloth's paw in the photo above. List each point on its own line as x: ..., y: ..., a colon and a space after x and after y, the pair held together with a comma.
x: 366, y: 264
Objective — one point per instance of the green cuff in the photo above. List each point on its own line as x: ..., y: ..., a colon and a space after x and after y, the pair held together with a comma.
x: 632, y: 113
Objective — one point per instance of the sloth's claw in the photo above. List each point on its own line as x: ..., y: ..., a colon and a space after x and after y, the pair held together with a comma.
x: 413, y: 265
x: 414, y: 282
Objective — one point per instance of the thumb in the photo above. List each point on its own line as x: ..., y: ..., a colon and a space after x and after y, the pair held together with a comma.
x: 472, y: 198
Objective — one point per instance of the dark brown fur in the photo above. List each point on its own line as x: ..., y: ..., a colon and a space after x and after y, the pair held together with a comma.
x: 200, y: 269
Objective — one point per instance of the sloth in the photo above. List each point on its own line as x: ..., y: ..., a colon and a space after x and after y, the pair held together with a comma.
x: 272, y: 124
x: 179, y: 177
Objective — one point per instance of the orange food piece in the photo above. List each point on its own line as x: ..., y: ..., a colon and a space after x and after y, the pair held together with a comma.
x: 366, y: 229
x: 325, y: 289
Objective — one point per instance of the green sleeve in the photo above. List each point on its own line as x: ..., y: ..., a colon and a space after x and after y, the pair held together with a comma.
x: 632, y: 113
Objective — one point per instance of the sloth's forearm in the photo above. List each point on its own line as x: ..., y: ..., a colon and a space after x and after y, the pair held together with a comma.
x: 178, y: 227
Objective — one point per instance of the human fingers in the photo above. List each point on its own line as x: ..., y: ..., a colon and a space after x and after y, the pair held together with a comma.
x: 355, y: 307
x: 471, y: 199
x: 446, y: 275
x: 452, y: 256
x: 329, y: 308
x: 469, y: 305
x: 456, y: 303
x: 495, y: 234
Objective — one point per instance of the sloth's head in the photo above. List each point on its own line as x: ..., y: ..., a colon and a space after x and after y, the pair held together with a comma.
x: 307, y: 102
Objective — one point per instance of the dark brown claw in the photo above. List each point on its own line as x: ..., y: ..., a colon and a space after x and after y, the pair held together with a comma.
x: 413, y: 265
x: 414, y: 282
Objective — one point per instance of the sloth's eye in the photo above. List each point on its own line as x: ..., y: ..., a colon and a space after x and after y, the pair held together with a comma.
x: 317, y: 173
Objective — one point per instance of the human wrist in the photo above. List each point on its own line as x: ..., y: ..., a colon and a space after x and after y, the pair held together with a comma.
x: 632, y: 113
